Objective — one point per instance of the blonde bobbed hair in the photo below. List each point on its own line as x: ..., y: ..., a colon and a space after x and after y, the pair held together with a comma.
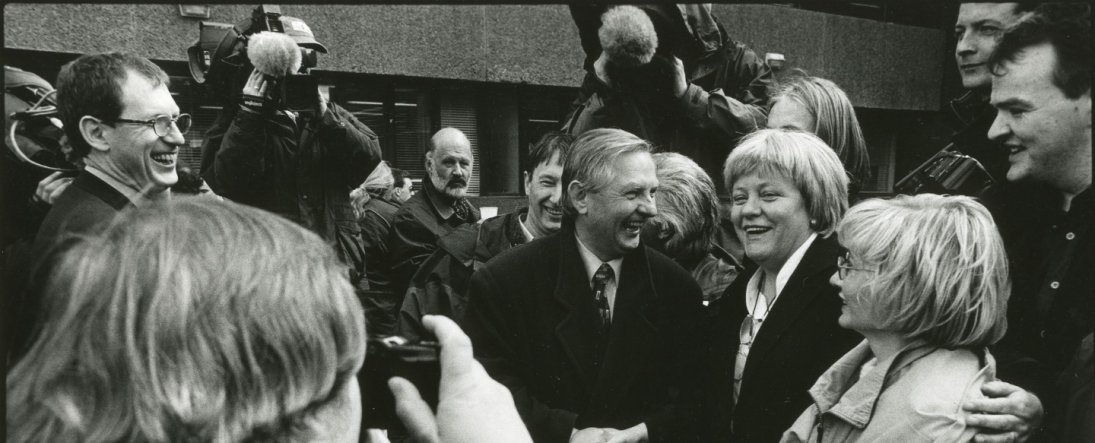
x: 942, y: 268
x: 804, y: 160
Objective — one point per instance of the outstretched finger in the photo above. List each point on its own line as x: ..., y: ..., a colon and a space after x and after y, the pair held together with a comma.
x: 48, y: 180
x: 1007, y: 437
x: 456, y: 351
x: 990, y: 406
x: 995, y: 423
x: 59, y: 188
x: 997, y: 388
x: 415, y: 414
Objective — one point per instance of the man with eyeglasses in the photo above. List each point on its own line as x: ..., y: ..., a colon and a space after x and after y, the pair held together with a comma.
x: 123, y: 124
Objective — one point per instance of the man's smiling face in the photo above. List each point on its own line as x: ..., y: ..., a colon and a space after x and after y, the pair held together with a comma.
x: 612, y: 218
x: 138, y: 156
x: 1044, y: 131
x: 545, y: 187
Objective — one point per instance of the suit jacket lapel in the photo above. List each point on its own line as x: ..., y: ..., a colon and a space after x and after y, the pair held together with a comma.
x: 631, y: 338
x: 800, y: 291
x: 578, y: 329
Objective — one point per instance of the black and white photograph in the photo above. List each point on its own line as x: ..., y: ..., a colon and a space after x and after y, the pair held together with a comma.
x: 818, y: 222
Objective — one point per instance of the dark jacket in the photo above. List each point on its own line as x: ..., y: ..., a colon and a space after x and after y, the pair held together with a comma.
x: 971, y: 116
x: 799, y: 340
x: 727, y: 96
x: 419, y: 223
x: 302, y: 170
x: 381, y: 304
x: 534, y: 325
x: 1052, y: 298
x: 440, y: 286
x: 87, y: 207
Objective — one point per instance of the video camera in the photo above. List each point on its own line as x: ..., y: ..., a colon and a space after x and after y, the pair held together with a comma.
x: 947, y: 172
x: 219, y: 60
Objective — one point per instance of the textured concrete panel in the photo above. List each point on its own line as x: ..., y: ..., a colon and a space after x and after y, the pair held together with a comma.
x: 533, y: 44
x: 442, y: 41
x: 880, y: 65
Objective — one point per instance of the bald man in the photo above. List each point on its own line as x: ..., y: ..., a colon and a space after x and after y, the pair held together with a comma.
x: 441, y: 207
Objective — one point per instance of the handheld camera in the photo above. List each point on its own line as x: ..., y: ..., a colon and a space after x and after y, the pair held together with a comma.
x: 418, y: 362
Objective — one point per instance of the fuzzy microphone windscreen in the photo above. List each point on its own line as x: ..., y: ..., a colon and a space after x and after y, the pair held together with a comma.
x: 627, y: 36
x: 274, y: 54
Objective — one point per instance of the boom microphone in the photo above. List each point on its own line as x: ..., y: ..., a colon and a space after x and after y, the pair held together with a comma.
x: 627, y: 36
x: 274, y: 54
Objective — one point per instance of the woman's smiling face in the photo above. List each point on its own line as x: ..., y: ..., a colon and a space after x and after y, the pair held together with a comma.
x: 770, y: 216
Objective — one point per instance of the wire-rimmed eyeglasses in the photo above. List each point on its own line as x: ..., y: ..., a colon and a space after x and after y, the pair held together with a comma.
x: 844, y: 264
x: 162, y: 124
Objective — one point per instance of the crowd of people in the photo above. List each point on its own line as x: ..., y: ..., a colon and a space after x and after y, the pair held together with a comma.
x: 623, y: 304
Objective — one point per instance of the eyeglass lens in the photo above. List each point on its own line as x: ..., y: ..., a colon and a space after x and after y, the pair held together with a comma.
x: 163, y: 124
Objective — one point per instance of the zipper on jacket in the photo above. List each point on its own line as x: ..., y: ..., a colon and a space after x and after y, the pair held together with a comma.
x: 820, y: 426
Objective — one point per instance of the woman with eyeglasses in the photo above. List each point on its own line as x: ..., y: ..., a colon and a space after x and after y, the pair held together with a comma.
x: 925, y: 280
x: 776, y: 330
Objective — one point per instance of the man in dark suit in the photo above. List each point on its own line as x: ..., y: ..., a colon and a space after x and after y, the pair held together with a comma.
x: 441, y: 207
x: 122, y: 122
x: 596, y: 336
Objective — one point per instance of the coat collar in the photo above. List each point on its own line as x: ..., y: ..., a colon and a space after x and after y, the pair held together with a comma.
x: 97, y: 187
x: 840, y: 391
x: 437, y: 202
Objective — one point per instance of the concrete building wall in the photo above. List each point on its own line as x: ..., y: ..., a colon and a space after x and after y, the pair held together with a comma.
x: 880, y: 65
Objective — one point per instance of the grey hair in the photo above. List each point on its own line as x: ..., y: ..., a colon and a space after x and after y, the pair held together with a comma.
x: 688, y: 207
x: 590, y: 161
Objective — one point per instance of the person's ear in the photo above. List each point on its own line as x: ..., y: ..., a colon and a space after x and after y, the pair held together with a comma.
x: 429, y: 162
x: 578, y: 196
x: 528, y: 181
x: 94, y: 132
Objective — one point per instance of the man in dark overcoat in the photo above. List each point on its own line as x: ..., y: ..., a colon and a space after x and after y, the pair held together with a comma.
x: 595, y: 335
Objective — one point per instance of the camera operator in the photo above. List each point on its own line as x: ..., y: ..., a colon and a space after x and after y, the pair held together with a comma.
x: 300, y: 165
